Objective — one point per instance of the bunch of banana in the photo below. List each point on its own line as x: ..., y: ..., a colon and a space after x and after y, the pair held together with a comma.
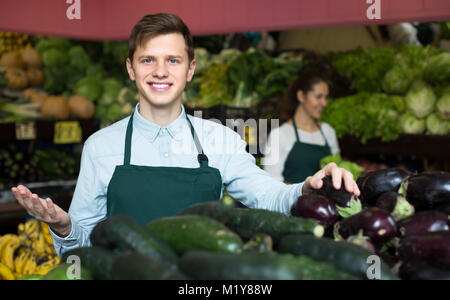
x: 29, y: 252
x: 15, y: 42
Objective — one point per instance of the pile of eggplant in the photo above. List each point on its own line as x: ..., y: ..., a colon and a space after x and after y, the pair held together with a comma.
x: 401, y: 216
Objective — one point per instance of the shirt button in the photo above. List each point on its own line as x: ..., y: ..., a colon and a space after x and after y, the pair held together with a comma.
x: 163, y: 131
x: 166, y: 155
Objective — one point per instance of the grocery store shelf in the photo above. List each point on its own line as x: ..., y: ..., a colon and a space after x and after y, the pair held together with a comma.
x: 427, y: 146
x: 45, y: 130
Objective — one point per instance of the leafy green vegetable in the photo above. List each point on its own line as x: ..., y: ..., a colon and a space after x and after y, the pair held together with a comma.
x: 443, y: 106
x: 411, y: 125
x: 202, y: 57
x: 437, y: 72
x: 46, y: 43
x: 111, y: 88
x: 79, y: 59
x: 89, y: 87
x: 365, y: 115
x: 365, y: 67
x: 420, y: 99
x: 436, y: 125
x: 352, y: 167
x: 398, y: 79
x: 54, y: 58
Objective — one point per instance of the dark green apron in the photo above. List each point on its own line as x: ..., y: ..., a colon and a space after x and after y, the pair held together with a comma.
x: 303, y: 159
x: 147, y: 193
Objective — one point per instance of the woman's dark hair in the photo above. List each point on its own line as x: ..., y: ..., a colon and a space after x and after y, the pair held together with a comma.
x: 151, y: 26
x: 308, y: 77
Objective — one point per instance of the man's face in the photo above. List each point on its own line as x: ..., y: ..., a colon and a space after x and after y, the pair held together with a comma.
x: 161, y: 69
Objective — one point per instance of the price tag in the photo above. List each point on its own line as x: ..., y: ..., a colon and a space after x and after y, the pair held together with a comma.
x: 67, y: 132
x: 25, y: 131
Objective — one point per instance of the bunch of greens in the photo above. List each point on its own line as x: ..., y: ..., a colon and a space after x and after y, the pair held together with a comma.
x: 365, y: 68
x: 352, y: 167
x: 365, y: 116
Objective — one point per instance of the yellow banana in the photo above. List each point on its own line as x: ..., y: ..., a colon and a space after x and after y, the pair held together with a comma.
x: 21, y: 260
x: 30, y: 266
x: 20, y: 228
x: 3, y: 241
x: 32, y: 229
x: 6, y: 273
x: 40, y: 247
x: 45, y: 267
x: 8, y: 252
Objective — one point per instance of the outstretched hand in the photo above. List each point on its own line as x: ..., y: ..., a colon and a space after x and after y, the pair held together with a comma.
x: 337, y: 174
x: 43, y: 210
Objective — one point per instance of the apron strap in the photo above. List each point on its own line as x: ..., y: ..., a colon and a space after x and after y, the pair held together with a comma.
x: 201, y: 157
x: 320, y: 129
x: 127, y: 156
x: 295, y: 129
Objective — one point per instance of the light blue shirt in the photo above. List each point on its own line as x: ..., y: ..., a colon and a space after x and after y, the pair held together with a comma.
x: 170, y: 146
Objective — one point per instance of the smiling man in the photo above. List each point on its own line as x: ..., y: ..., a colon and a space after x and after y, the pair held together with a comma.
x: 134, y: 167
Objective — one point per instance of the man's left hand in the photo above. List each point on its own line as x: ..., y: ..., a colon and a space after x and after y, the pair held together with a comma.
x: 337, y: 174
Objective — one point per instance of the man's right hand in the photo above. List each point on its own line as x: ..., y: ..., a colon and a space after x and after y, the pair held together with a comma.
x: 44, y: 210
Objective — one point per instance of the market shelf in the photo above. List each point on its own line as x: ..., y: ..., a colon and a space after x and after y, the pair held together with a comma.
x: 44, y: 129
x: 426, y: 146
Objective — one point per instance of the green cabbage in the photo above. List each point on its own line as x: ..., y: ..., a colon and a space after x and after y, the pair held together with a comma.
x: 420, y: 99
x: 397, y: 80
x: 202, y: 57
x: 46, y: 43
x: 436, y: 125
x: 443, y: 106
x: 78, y: 58
x: 111, y: 89
x: 54, y: 58
x: 89, y: 87
x: 437, y: 71
x: 411, y: 125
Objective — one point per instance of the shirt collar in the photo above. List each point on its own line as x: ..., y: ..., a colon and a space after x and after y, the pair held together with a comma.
x: 151, y: 131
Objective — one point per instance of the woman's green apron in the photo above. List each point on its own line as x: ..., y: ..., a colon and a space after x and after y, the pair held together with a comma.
x: 303, y: 159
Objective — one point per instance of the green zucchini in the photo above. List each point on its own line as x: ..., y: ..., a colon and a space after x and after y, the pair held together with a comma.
x: 204, y: 265
x: 122, y: 233
x: 98, y: 261
x: 343, y: 256
x: 248, y: 222
x: 191, y: 232
x: 135, y: 266
x: 64, y: 271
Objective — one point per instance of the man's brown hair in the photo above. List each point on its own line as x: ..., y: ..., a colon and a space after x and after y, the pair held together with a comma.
x: 151, y: 26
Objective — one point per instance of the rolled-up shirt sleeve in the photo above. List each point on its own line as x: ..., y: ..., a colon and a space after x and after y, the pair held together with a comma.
x: 88, y: 205
x: 254, y: 187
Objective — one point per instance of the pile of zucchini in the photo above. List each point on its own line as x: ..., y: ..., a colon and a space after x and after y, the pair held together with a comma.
x: 400, y: 231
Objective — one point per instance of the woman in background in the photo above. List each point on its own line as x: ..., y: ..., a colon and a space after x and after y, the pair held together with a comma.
x: 295, y: 149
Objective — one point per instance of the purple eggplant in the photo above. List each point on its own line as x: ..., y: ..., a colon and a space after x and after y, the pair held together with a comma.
x: 395, y: 204
x: 347, y: 204
x: 430, y: 246
x: 422, y: 222
x: 427, y: 190
x: 375, y: 223
x: 315, y: 207
x: 375, y: 183
x: 421, y: 270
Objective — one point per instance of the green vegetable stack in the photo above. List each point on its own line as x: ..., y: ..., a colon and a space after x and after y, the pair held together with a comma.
x: 200, y: 243
x: 415, y: 99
